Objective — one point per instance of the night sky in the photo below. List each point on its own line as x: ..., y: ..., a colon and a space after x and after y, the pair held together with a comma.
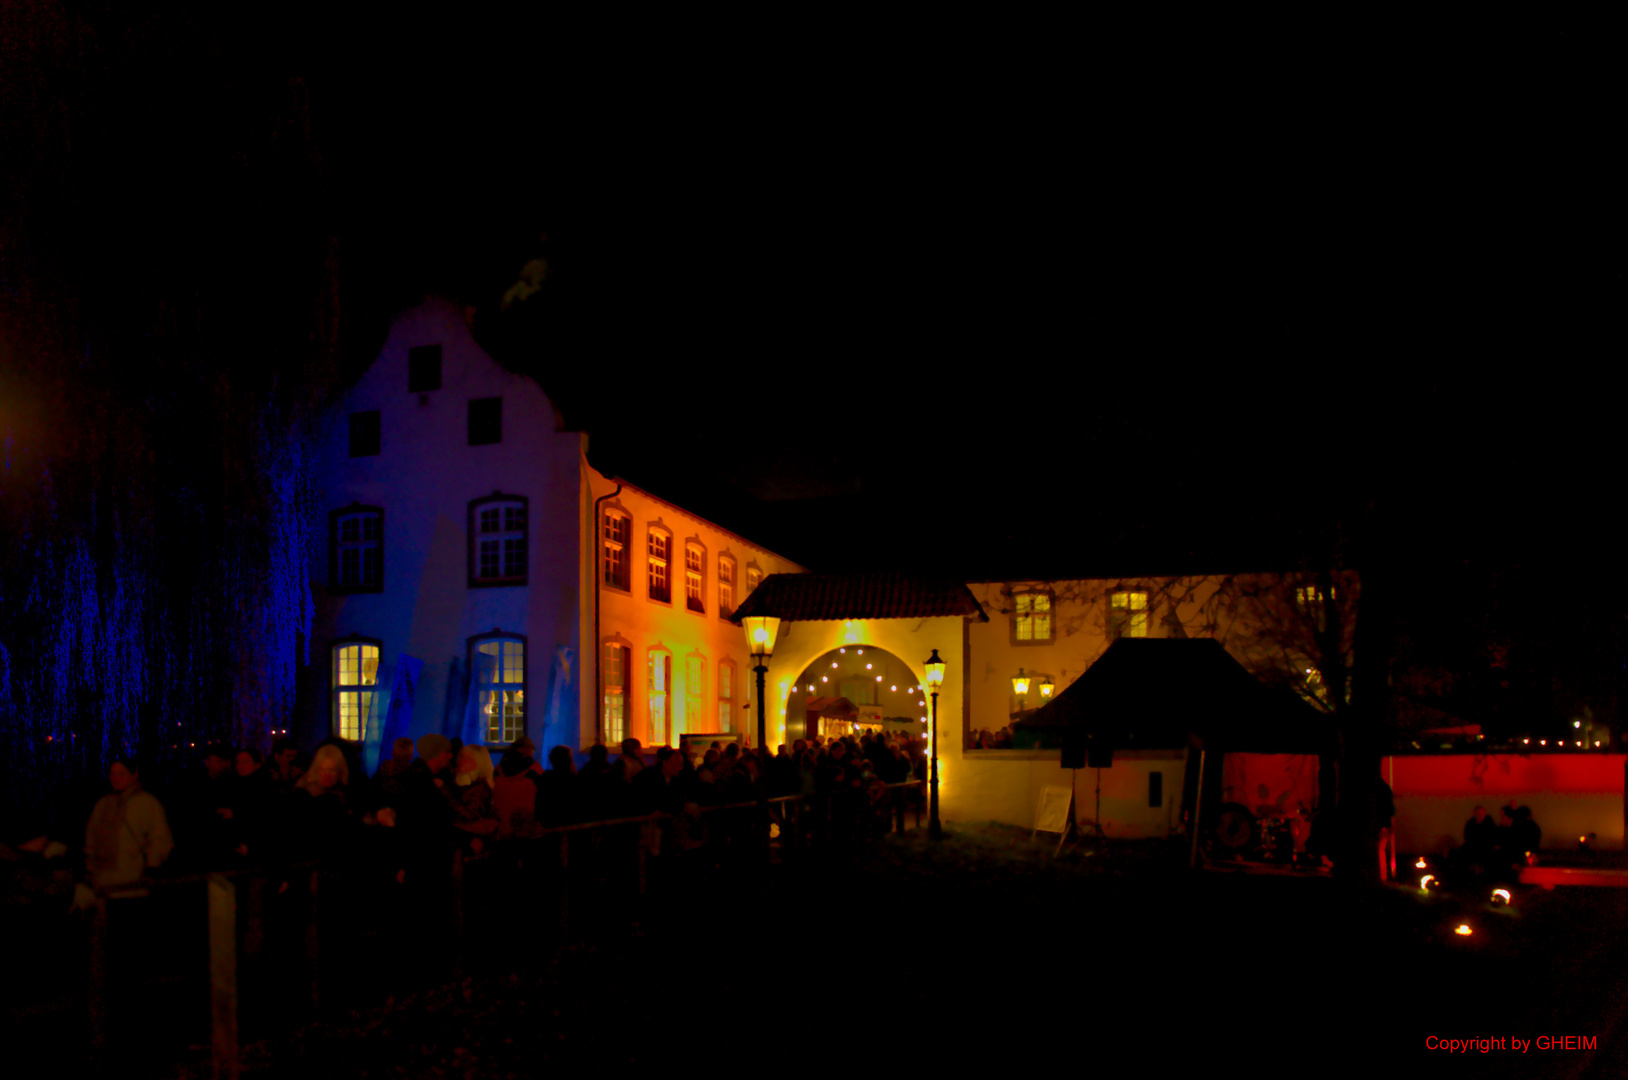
x: 1027, y: 300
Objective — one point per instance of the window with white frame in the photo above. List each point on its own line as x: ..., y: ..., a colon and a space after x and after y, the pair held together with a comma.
x: 615, y: 693
x: 357, y: 549
x: 616, y: 529
x: 660, y: 549
x: 498, y: 541
x: 695, y: 693
x: 355, y: 682
x: 499, y: 668
x: 753, y: 576
x: 726, y: 695
x: 661, y: 691
x: 694, y: 578
x: 1031, y: 617
x: 1127, y: 614
x: 726, y: 587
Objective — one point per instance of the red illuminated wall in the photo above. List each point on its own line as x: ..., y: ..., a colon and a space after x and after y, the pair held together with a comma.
x: 1570, y: 795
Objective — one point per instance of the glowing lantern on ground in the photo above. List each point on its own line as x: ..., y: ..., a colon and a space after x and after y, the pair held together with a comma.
x: 1463, y: 930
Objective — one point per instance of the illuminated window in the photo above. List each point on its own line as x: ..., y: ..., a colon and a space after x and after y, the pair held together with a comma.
x: 356, y: 549
x: 1031, y: 618
x: 1309, y: 600
x: 616, y: 530
x: 660, y: 548
x: 661, y: 691
x: 1127, y: 615
x: 423, y: 368
x: 726, y: 695
x: 364, y: 433
x: 355, y: 673
x: 694, y: 578
x: 497, y: 541
x: 615, y: 694
x: 695, y: 693
x: 753, y: 576
x: 726, y: 588
x: 499, y: 669
x: 485, y: 421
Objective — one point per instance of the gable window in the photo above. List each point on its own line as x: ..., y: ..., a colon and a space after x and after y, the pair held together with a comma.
x: 355, y: 676
x: 485, y: 421
x: 356, y: 549
x: 497, y: 540
x: 694, y: 582
x: 423, y: 368
x: 364, y: 433
x: 726, y: 588
x: 660, y: 547
x: 615, y: 722
x: 1127, y: 615
x: 1031, y: 618
x: 695, y: 693
x: 726, y: 695
x: 753, y: 576
x: 616, y: 530
x: 661, y: 692
x: 498, y: 667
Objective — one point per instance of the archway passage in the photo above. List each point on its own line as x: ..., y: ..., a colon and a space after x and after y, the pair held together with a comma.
x: 852, y: 689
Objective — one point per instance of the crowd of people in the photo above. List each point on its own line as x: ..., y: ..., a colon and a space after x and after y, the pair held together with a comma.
x: 1499, y: 847
x: 433, y: 796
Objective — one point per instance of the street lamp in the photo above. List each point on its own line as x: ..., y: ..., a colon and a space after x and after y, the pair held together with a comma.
x: 1046, y: 687
x: 935, y: 679
x: 760, y: 635
x: 1020, y: 687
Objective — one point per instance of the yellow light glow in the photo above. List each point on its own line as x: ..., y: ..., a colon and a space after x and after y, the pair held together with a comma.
x: 811, y: 688
x: 1424, y: 882
x: 1501, y: 894
x: 1576, y: 723
x: 1420, y: 864
x: 1020, y: 683
x: 825, y: 678
x: 935, y: 669
x: 1543, y: 742
x: 867, y: 667
x: 1525, y: 741
x: 893, y: 688
x: 1046, y: 687
x: 1582, y: 839
x: 878, y: 678
x: 1463, y: 930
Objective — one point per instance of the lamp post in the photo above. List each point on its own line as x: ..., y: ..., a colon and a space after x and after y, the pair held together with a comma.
x: 1020, y: 687
x: 760, y: 635
x: 935, y: 679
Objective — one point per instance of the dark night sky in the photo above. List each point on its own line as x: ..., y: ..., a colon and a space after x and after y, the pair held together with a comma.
x: 1117, y: 288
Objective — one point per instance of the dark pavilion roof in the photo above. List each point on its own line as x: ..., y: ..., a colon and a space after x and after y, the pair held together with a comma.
x: 810, y: 597
x: 1169, y: 693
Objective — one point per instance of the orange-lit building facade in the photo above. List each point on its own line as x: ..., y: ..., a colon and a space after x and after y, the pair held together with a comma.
x: 465, y: 565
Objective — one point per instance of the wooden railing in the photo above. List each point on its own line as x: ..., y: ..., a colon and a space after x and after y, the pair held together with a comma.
x: 223, y: 904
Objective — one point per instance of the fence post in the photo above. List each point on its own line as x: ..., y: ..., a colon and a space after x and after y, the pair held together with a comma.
x: 223, y: 977
x: 458, y: 912
x: 565, y: 885
x: 98, y: 979
x: 312, y: 956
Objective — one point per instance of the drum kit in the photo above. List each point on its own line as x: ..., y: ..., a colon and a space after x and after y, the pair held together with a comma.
x: 1274, y: 836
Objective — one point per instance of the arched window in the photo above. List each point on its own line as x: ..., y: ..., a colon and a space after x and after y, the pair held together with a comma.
x: 726, y: 695
x: 617, y: 529
x: 356, y: 549
x: 726, y: 586
x: 659, y: 547
x: 660, y: 674
x: 497, y: 665
x: 497, y: 540
x: 695, y: 577
x: 353, y: 686
x: 616, y: 687
x: 695, y: 692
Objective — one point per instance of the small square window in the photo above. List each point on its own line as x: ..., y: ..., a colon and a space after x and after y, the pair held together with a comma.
x: 485, y: 421
x: 364, y: 433
x: 423, y: 369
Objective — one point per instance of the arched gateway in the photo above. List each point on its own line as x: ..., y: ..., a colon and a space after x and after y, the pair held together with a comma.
x: 896, y: 619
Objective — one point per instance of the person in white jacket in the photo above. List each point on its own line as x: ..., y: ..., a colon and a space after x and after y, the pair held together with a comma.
x: 128, y: 834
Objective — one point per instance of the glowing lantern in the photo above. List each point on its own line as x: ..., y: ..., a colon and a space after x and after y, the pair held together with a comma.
x: 761, y: 631
x: 1046, y: 686
x: 1500, y: 896
x: 935, y: 671
x: 1020, y: 681
x: 1421, y: 863
x: 1424, y: 882
x: 1463, y: 930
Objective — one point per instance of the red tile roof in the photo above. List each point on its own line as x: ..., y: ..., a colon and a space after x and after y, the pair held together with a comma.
x: 858, y: 596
